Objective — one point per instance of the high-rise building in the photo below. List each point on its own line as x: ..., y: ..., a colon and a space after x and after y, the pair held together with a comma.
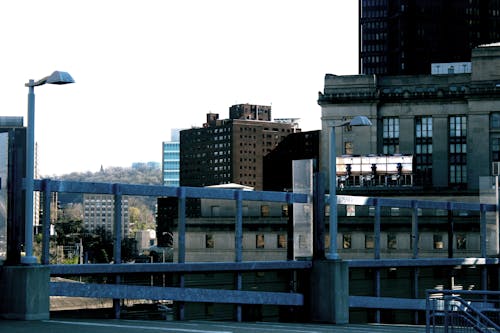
x: 407, y: 36
x: 231, y: 150
x: 98, y: 212
x: 170, y: 159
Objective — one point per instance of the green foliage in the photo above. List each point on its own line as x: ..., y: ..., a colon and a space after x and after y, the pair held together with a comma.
x: 98, y: 244
x: 142, y: 208
x: 139, y: 175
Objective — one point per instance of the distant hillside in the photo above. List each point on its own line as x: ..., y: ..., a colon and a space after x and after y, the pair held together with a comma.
x: 137, y: 175
x: 143, y: 174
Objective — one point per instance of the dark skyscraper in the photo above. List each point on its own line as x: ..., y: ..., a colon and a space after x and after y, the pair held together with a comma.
x: 407, y: 36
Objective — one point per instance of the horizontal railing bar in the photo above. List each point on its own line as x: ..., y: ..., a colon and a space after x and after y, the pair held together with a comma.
x: 215, y: 193
x: 94, y: 290
x: 407, y: 203
x: 88, y: 269
x: 371, y: 302
x: 463, y: 292
x: 167, y: 191
x: 422, y: 262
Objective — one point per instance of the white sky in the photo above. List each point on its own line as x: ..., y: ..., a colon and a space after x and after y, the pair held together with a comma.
x: 144, y: 67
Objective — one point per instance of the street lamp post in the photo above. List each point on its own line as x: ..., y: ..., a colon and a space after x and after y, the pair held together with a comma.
x: 356, y: 121
x: 55, y: 78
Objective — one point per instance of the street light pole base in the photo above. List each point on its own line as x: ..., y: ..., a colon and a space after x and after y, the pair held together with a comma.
x: 31, y: 260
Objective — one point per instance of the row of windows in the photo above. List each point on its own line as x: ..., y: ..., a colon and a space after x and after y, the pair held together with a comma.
x: 369, y: 241
x: 392, y: 242
x: 423, y: 143
x: 353, y: 210
x: 281, y: 241
x: 375, y: 25
x: 375, y: 47
x: 375, y: 13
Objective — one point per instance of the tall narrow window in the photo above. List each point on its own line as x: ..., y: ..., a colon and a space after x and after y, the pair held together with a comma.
x: 282, y: 241
x: 348, y: 148
x: 259, y: 241
x: 346, y: 241
x: 369, y: 242
x: 423, y: 149
x: 458, y: 150
x: 391, y: 135
x: 495, y: 149
x: 264, y: 210
x: 209, y: 241
x: 392, y: 242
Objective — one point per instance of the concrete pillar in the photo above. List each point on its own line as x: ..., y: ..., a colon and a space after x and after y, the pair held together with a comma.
x: 24, y: 292
x: 329, y: 291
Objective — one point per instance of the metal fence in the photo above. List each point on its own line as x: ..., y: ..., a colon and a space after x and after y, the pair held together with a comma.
x: 462, y: 311
x: 238, y: 296
x: 180, y: 293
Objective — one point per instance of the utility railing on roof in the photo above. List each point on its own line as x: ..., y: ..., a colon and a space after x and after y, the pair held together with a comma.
x: 181, y: 294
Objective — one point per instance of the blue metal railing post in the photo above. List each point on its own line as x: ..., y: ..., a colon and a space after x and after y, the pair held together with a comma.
x: 376, y: 229
x: 427, y: 312
x: 377, y: 254
x: 238, y: 239
x: 181, y: 194
x: 117, y: 248
x: 414, y: 229
x: 46, y: 222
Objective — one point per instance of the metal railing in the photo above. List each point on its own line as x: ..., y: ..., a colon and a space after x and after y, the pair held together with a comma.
x: 181, y: 294
x: 238, y: 296
x: 462, y: 311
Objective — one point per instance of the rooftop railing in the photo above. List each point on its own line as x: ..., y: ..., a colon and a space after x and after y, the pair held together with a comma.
x: 238, y: 296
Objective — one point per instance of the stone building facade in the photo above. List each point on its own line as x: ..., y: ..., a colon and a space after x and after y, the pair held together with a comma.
x: 450, y: 123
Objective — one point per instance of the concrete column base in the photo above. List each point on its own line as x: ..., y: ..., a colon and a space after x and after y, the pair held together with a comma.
x: 329, y: 297
x: 24, y: 292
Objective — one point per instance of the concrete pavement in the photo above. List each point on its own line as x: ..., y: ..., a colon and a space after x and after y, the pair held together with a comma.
x: 133, y: 326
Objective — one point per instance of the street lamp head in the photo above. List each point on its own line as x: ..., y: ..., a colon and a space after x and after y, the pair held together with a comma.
x: 360, y: 121
x: 59, y: 77
x: 356, y: 121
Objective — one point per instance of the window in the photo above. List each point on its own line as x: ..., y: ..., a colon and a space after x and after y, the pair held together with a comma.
x: 461, y: 242
x: 264, y: 210
x: 284, y: 210
x: 457, y: 150
x: 348, y: 148
x: 495, y: 149
x: 391, y: 241
x: 351, y: 210
x: 346, y: 241
x: 209, y: 241
x: 371, y: 211
x: 423, y: 149
x: 390, y: 135
x: 259, y: 241
x: 495, y: 120
x: 282, y: 241
x: 438, y: 242
x: 369, y: 242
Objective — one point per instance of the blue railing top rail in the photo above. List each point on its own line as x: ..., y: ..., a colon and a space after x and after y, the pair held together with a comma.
x: 413, y: 203
x: 197, y: 267
x: 167, y: 191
